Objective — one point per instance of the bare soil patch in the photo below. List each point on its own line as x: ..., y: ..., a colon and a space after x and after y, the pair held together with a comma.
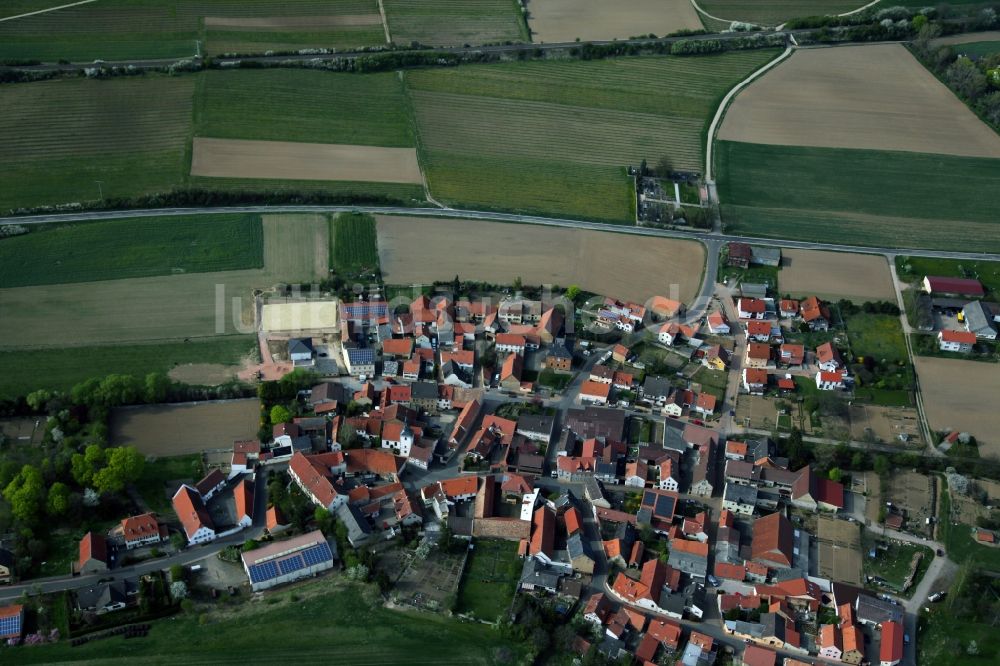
x: 912, y: 492
x: 171, y: 430
x: 618, y: 265
x: 839, y: 550
x: 873, y: 97
x: 22, y: 431
x: 293, y: 22
x: 884, y: 424
x: 968, y: 38
x: 962, y: 395
x: 287, y: 160
x: 205, y: 374
x: 565, y: 20
x: 835, y: 275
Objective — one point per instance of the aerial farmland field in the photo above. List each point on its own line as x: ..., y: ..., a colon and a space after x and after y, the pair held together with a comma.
x: 862, y: 197
x: 74, y: 140
x: 140, y: 247
x: 835, y: 275
x: 454, y: 22
x: 568, y: 128
x: 881, y: 99
x: 556, y: 21
x: 355, y: 243
x: 538, y: 255
x: 163, y: 308
x: 172, y: 430
x: 123, y: 29
x: 774, y: 12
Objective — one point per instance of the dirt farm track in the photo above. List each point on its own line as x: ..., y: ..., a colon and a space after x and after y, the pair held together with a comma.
x: 874, y: 97
x: 603, y: 263
x: 171, y: 430
x: 962, y: 395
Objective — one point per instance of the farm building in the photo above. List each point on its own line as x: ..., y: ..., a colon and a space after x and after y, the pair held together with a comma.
x: 953, y: 286
x: 979, y: 320
x: 301, y: 351
x: 287, y: 561
x: 11, y: 621
x: 93, y: 555
x: 318, y: 316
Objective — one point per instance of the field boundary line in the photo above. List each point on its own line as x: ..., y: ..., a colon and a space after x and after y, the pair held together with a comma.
x: 52, y: 9
x: 694, y: 3
x: 724, y: 105
x: 385, y: 21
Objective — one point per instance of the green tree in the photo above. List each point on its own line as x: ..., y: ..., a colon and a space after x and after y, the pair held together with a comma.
x: 58, y: 501
x: 26, y: 493
x: 572, y: 292
x: 124, y: 466
x: 280, y: 414
x: 37, y: 400
x: 881, y: 465
x: 157, y: 387
x: 835, y: 474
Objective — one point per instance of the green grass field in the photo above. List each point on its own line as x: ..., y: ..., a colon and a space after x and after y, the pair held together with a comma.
x: 959, y: 543
x: 354, y: 243
x: 72, y: 140
x: 944, y: 636
x: 555, y: 137
x: 355, y: 628
x: 157, y: 473
x: 27, y: 370
x: 125, y: 29
x: 913, y: 269
x: 129, y: 248
x: 490, y: 579
x: 980, y: 49
x: 863, y: 197
x: 878, y: 336
x: 303, y: 105
x: 455, y: 22
x: 894, y: 564
x: 773, y: 12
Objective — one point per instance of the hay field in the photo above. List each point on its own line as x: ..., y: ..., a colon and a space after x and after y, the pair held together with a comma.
x: 173, y: 430
x: 539, y: 255
x: 862, y: 197
x: 287, y: 160
x: 875, y: 97
x: 962, y: 395
x: 59, y: 138
x: 835, y: 275
x: 454, y: 22
x: 127, y: 29
x: 556, y: 21
x: 569, y: 128
x: 774, y: 12
x: 162, y: 308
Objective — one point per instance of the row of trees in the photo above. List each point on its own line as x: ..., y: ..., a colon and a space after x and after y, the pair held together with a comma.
x: 976, y: 82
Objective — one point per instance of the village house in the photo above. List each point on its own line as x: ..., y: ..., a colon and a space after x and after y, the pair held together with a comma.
x: 788, y: 308
x: 961, y: 342
x: 791, y: 355
x: 142, y: 530
x: 751, y: 308
x: 558, y: 357
x: 754, y: 380
x: 758, y: 355
x: 595, y: 392
x: 815, y: 314
x: 979, y: 321
x: 190, y: 509
x: 830, y: 381
x: 891, y: 647
x: 717, y: 324
x: 93, y: 554
x: 739, y: 255
x: 828, y: 358
x: 286, y: 561
x: 510, y: 372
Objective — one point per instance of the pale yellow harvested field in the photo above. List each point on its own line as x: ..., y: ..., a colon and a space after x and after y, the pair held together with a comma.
x: 964, y: 396
x: 172, y: 430
x: 625, y: 267
x: 565, y: 20
x: 288, y: 22
x: 875, y: 96
x: 165, y: 307
x: 289, y: 160
x: 205, y: 374
x: 968, y: 38
x: 835, y: 275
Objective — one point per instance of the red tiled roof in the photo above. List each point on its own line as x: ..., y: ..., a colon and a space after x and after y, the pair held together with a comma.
x: 542, y: 532
x: 892, y: 642
x: 759, y: 351
x: 960, y: 337
x: 372, y: 460
x: 730, y: 571
x: 274, y: 518
x: 755, y: 375
x: 596, y: 389
x: 511, y: 367
x: 812, y: 309
x: 772, y: 539
x: 210, y: 482
x: 92, y: 547
x: 191, y: 511
x: 244, y: 499
x: 461, y: 357
x: 947, y: 285
x: 312, y: 479
x: 698, y: 548
x: 752, y: 305
x: 985, y: 537
x: 665, y: 631
x: 754, y: 655
x: 572, y: 520
x: 852, y: 638
x: 398, y: 346
x: 825, y: 353
x: 135, y: 528
x: 756, y: 328
x: 706, y: 402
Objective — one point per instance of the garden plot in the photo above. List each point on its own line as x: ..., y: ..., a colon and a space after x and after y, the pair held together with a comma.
x: 538, y: 255
x: 873, y: 97
x: 961, y: 395
x: 914, y: 493
x: 835, y: 275
x: 286, y: 160
x: 968, y: 508
x: 884, y: 424
x: 586, y: 20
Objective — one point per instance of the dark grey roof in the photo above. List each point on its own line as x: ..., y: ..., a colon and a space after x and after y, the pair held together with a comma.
x: 356, y: 524
x: 977, y: 319
x: 300, y: 346
x: 877, y: 611
x: 535, y: 423
x: 597, y: 422
x: 558, y: 350
x: 536, y: 573
x: 688, y: 563
x: 424, y: 390
x: 740, y: 494
x: 577, y: 547
x: 656, y: 386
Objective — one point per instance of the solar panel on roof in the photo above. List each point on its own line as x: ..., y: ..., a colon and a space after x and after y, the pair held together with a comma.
x: 262, y: 571
x: 664, y: 506
x: 648, y: 497
x: 317, y: 554
x: 10, y: 626
x: 291, y: 563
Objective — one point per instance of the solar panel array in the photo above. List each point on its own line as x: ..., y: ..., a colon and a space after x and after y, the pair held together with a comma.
x: 364, y: 310
x: 10, y: 626
x: 361, y: 356
x: 311, y: 556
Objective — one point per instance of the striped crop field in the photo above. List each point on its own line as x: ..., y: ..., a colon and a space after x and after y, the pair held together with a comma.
x: 73, y: 140
x: 862, y: 197
x: 774, y: 12
x: 455, y: 22
x: 123, y: 29
x: 304, y: 105
x: 556, y: 137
